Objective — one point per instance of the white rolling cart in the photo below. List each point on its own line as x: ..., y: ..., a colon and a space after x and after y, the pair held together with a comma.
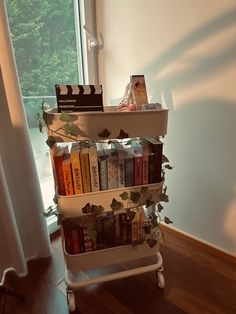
x: 91, y: 125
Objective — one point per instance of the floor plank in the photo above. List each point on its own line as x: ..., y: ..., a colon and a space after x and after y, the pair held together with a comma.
x: 199, y: 279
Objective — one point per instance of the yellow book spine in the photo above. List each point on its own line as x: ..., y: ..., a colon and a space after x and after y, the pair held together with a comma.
x: 76, y: 172
x: 84, y: 158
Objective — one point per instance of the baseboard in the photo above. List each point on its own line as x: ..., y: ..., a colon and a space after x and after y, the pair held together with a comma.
x: 201, y: 244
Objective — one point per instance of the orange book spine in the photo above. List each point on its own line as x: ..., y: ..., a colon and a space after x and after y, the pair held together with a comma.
x: 76, y: 172
x: 58, y: 160
x: 67, y: 174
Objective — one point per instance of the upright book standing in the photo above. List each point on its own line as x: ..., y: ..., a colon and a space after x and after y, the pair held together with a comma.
x: 71, y: 206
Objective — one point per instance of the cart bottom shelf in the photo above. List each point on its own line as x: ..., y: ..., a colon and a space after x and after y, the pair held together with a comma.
x: 72, y: 282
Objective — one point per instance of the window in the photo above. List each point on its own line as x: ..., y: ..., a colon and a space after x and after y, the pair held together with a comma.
x: 48, y: 39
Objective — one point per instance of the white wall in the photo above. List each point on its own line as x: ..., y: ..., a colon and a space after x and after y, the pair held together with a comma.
x: 187, y: 51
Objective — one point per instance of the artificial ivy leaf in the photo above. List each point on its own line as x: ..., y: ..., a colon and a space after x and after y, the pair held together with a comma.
x: 128, y: 142
x: 144, y: 190
x: 154, y: 223
x: 115, y: 205
x: 97, y: 209
x: 164, y: 190
x: 87, y: 209
x: 122, y: 134
x: 48, y: 118
x: 164, y: 159
x: 164, y: 198
x: 167, y: 221
x: 71, y: 129
x: 151, y: 242
x: 40, y: 125
x: 105, y: 133
x: 50, y: 141
x: 168, y: 167
x: 149, y: 202
x: 135, y: 196
x: 124, y: 196
x: 67, y: 117
x: 160, y: 207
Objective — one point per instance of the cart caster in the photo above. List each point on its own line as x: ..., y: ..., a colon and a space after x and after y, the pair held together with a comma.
x: 71, y: 300
x: 160, y: 279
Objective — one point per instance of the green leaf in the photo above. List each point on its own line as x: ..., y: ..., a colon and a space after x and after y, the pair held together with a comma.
x: 151, y: 242
x: 124, y: 196
x: 97, y: 209
x: 135, y: 196
x: 87, y: 209
x: 167, y: 221
x: 144, y: 190
x: 71, y: 129
x: 40, y: 125
x: 164, y: 198
x: 122, y: 134
x: 50, y: 141
x: 164, y: 159
x: 128, y: 142
x: 67, y: 117
x: 168, y: 167
x: 115, y: 205
x: 149, y: 202
x: 160, y: 207
x: 104, y: 134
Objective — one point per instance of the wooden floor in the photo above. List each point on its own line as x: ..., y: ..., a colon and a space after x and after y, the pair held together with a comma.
x: 199, y: 279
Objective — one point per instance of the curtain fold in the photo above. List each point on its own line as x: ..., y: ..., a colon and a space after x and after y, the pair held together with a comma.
x: 23, y: 229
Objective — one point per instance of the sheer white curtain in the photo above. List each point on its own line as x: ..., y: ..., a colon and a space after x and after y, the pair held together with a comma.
x: 23, y: 229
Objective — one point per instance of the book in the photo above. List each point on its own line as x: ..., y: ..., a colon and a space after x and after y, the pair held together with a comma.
x: 85, y: 168
x: 76, y: 168
x: 58, y: 157
x: 88, y: 232
x: 145, y: 153
x: 129, y: 167
x: 109, y: 230
x: 67, y: 175
x: 138, y: 166
x: 156, y: 147
x: 112, y: 169
x: 102, y: 168
x: 93, y: 166
x: 71, y: 233
x: 118, y: 147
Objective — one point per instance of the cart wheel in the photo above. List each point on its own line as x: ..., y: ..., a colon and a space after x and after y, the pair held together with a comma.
x: 71, y: 300
x: 160, y: 279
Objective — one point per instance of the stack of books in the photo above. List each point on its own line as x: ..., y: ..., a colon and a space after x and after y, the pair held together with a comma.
x: 91, y: 167
x: 95, y: 232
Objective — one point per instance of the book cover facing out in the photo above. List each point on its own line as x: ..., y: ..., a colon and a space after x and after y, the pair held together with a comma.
x: 79, y: 98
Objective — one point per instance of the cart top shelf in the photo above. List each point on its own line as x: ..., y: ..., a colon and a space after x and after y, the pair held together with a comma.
x: 76, y: 126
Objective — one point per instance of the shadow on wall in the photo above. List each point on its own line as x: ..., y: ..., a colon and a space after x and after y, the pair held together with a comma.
x: 201, y: 68
x: 201, y: 140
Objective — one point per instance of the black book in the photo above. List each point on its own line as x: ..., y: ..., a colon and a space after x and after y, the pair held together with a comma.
x: 156, y: 147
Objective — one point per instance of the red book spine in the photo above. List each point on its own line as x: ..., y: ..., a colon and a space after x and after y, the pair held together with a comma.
x: 138, y: 170
x: 58, y: 166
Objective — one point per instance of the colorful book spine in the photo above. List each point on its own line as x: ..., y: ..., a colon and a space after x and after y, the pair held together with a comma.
x: 58, y: 158
x: 112, y: 170
x: 67, y: 175
x: 102, y: 167
x: 129, y: 167
x: 138, y: 167
x: 121, y: 163
x: 156, y: 147
x: 85, y: 169
x: 145, y: 153
x: 93, y: 166
x: 76, y: 168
